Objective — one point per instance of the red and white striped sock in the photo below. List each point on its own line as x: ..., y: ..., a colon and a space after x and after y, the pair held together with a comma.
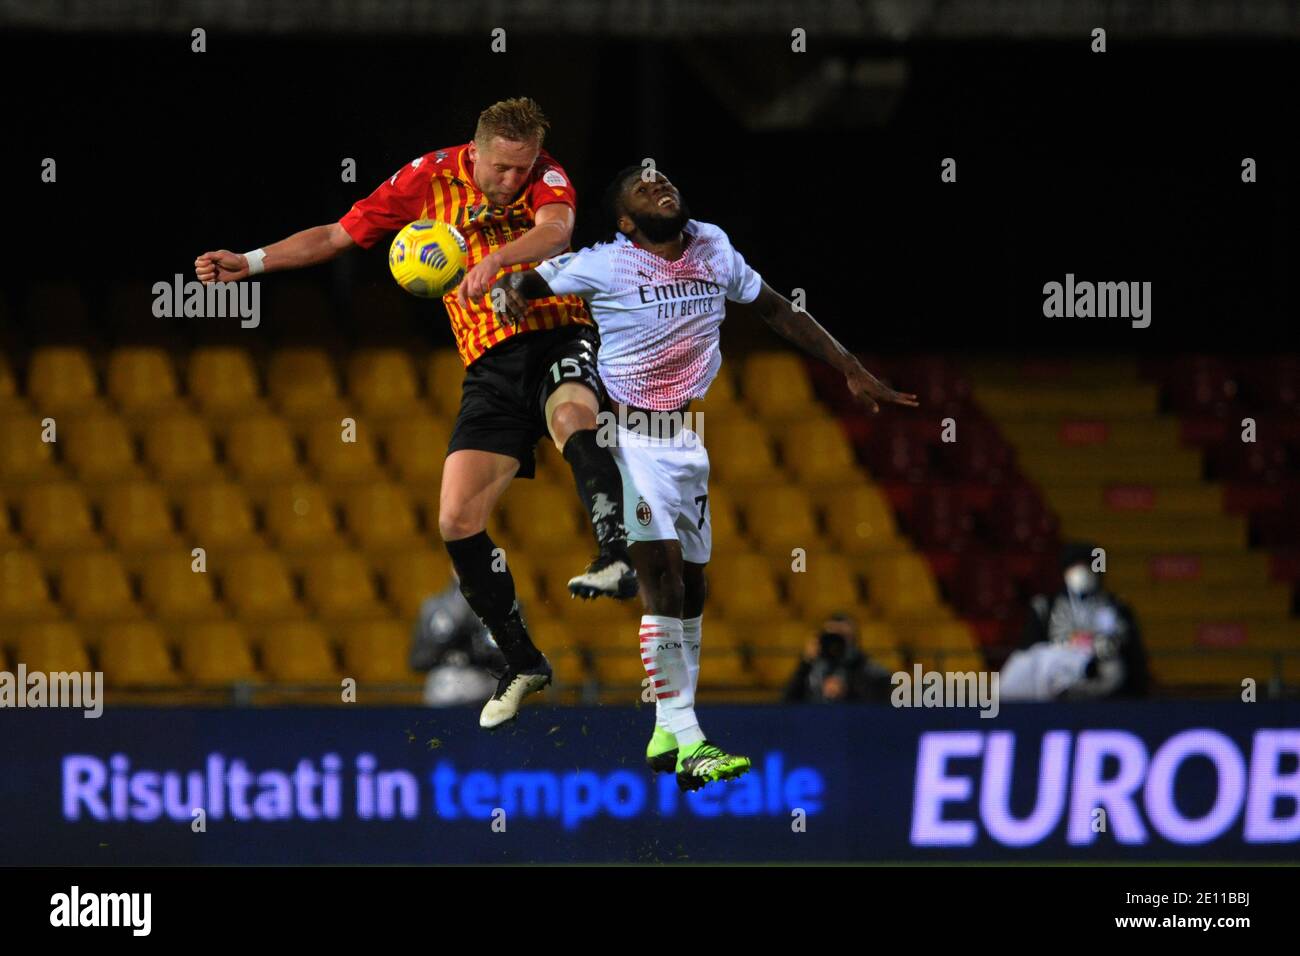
x: 665, y: 662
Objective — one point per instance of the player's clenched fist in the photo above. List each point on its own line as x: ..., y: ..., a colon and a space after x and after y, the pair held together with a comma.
x: 221, y: 266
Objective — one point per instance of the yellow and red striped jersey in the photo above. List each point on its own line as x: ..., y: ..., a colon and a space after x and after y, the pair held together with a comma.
x: 440, y: 185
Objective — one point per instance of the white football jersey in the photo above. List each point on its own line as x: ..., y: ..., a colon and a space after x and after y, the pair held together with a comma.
x: 658, y: 320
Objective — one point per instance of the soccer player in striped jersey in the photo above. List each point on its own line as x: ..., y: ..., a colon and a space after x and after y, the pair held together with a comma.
x: 658, y: 294
x: 514, y: 205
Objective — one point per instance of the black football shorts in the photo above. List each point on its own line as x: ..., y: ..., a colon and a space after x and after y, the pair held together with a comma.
x: 503, y: 398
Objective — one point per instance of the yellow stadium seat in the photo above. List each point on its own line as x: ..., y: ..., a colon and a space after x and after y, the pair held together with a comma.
x: 57, y: 516
x: 383, y: 382
x: 302, y: 382
x: 338, y: 462
x: 741, y: 586
x: 175, y: 592
x: 415, y: 449
x: 136, y: 516
x: 725, y: 526
x: 224, y: 382
x: 24, y: 455
x: 827, y: 585
x: 61, y: 379
x: 219, y: 515
x: 9, y: 538
x: 262, y: 449
x: 11, y: 401
x: 299, y: 517
x: 257, y: 586
x: 773, y: 632
x: 446, y: 373
x: 380, y: 516
x: 413, y: 575
x: 780, y: 518
x: 773, y: 668
x: 24, y: 593
x: 859, y: 519
x: 99, y: 449
x: 135, y: 655
x: 298, y: 652
x: 93, y: 586
x: 142, y: 381
x: 569, y: 668
x: 776, y: 385
x: 338, y: 584
x: 721, y: 404
x: 378, y: 652
x: 902, y: 585
x: 51, y: 646
x: 542, y: 516
x: 217, y: 654
x: 817, y: 452
x: 722, y: 667
x: 740, y: 452
x: 179, y: 448
x: 621, y: 669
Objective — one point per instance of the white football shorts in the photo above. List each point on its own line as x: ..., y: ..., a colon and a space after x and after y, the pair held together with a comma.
x: 665, y: 490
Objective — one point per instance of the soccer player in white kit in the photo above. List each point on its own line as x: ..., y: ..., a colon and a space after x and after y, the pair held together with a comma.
x: 657, y: 293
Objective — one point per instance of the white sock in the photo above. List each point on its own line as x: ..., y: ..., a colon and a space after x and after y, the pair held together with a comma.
x: 691, y: 633
x: 665, y: 663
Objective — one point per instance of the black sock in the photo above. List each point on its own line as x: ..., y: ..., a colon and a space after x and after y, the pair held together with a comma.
x: 600, y: 486
x: 491, y: 595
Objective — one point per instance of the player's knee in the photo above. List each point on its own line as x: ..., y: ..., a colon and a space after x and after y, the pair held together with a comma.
x: 457, y: 523
x: 570, y: 417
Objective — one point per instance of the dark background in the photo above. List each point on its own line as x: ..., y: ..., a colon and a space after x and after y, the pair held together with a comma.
x: 1121, y: 166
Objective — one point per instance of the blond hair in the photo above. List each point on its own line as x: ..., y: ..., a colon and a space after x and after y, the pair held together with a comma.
x: 519, y: 120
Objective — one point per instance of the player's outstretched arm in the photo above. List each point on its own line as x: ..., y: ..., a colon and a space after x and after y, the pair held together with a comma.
x: 306, y: 248
x: 510, y: 294
x: 550, y: 235
x: 803, y: 330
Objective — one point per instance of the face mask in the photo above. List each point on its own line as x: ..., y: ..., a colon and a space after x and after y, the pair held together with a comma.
x: 1080, y: 581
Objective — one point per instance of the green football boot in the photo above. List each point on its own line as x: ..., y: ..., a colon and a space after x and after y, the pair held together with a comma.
x: 661, y: 752
x: 704, y: 762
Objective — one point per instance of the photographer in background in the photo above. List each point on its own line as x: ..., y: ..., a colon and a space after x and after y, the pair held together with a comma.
x: 834, y: 669
x: 1081, y: 642
x: 451, y: 643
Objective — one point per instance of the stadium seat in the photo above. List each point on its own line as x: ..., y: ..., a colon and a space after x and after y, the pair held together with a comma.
x: 780, y: 518
x: 219, y: 515
x: 773, y: 668
x: 415, y: 449
x: 224, y: 382
x: 859, y: 519
x: 902, y: 585
x: 829, y: 584
x: 217, y: 654
x: 542, y: 516
x: 99, y: 449
x: 142, y: 382
x: 569, y: 668
x: 93, y: 586
x: 339, y: 584
x: 446, y: 373
x: 62, y: 379
x: 723, y: 523
x: 818, y: 452
x: 9, y: 537
x: 741, y: 586
x: 11, y: 400
x: 723, y: 667
x: 24, y: 592
x: 338, y: 462
x: 621, y: 670
x: 52, y: 647
x: 180, y: 448
x: 24, y: 456
x: 411, y: 576
x: 257, y: 586
x: 299, y: 517
x: 298, y: 653
x: 135, y: 655
x: 383, y: 382
x: 137, y: 518
x: 175, y: 592
x: 301, y: 382
x: 57, y: 517
x: 380, y: 516
x: 262, y: 449
x: 740, y: 453
x: 776, y: 385
x: 378, y: 652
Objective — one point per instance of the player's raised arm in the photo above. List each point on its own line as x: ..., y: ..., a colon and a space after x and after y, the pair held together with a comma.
x: 803, y: 330
x: 305, y: 248
x: 550, y: 235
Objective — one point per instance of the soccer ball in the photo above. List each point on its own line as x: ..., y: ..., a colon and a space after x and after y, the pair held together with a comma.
x: 427, y: 258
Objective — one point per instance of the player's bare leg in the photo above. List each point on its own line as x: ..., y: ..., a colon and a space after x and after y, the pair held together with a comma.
x: 472, y: 483
x: 678, y: 743
x: 571, y: 417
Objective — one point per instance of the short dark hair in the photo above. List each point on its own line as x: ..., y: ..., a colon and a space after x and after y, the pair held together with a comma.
x: 519, y: 120
x: 613, y: 201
